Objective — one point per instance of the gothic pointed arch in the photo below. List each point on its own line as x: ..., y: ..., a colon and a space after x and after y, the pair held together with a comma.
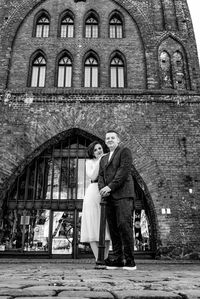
x: 41, y: 24
x: 47, y: 179
x: 117, y: 69
x: 60, y: 137
x: 116, y: 24
x: 66, y: 24
x: 171, y: 45
x: 64, y: 69
x: 26, y: 7
x: 91, y: 24
x: 91, y: 69
x: 37, y: 69
x: 24, y: 10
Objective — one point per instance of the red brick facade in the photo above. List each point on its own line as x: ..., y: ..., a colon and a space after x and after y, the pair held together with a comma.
x: 157, y: 118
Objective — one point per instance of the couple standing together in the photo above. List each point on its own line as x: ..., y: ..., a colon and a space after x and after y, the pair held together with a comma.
x: 111, y: 178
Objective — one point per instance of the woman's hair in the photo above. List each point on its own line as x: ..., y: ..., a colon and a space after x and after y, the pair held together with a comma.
x: 91, y: 147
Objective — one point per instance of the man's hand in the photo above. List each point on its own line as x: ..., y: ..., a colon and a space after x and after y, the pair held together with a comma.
x: 105, y: 191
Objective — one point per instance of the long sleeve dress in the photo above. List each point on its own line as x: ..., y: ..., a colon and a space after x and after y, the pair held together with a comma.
x: 90, y: 221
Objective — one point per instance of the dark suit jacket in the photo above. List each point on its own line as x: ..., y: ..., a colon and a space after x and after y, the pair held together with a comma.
x: 116, y: 173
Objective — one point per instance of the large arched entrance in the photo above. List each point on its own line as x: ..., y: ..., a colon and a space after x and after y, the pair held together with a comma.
x: 42, y: 210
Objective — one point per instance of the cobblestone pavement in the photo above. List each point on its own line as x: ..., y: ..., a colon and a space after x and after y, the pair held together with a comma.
x: 79, y: 279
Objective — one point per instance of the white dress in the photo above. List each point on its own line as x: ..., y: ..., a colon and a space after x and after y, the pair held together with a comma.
x: 91, y: 211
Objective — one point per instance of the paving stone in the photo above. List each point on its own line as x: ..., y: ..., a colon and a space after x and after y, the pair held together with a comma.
x: 58, y: 288
x: 30, y: 280
x: 11, y: 286
x: 86, y: 294
x: 190, y: 293
x: 21, y: 282
x: 67, y: 283
x: 96, y: 280
x: 25, y: 293
x: 145, y: 294
x: 178, y: 286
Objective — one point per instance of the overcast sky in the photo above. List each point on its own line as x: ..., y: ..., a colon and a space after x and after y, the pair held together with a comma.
x: 194, y: 6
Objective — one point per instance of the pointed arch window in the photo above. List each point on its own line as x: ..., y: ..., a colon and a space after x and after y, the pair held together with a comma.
x: 67, y: 26
x: 117, y: 73
x: 91, y: 72
x: 42, y: 26
x: 116, y: 27
x: 91, y: 27
x: 47, y: 197
x: 65, y: 72
x: 178, y: 71
x: 166, y: 72
x: 57, y: 175
x: 38, y: 73
x: 173, y: 67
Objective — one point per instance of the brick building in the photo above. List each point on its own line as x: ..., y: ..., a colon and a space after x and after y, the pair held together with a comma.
x: 70, y: 70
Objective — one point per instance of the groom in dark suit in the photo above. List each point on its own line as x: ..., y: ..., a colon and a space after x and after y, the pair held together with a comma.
x: 117, y: 186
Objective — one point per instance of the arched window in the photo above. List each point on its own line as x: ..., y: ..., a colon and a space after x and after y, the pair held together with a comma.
x: 38, y: 72
x: 91, y: 27
x: 91, y: 72
x: 173, y: 66
x: 65, y: 72
x: 115, y: 27
x: 67, y: 26
x: 117, y: 78
x: 42, y: 26
x: 178, y: 71
x: 44, y: 205
x: 166, y: 72
x: 52, y: 187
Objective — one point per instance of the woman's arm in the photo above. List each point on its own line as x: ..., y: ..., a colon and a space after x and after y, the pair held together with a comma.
x: 92, y: 169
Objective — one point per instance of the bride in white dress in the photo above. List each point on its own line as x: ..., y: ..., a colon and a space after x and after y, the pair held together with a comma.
x: 90, y: 221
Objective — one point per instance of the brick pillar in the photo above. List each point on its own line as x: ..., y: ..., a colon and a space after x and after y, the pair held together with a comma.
x: 157, y: 14
x: 169, y: 12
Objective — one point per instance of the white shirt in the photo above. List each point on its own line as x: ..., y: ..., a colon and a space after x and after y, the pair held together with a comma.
x: 110, y: 155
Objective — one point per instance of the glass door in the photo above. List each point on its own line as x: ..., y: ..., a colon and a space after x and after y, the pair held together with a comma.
x: 62, y: 232
x: 66, y: 228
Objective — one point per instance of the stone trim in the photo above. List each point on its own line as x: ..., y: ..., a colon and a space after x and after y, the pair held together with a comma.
x: 99, y: 91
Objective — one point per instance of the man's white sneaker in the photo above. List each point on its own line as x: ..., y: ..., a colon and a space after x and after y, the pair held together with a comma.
x: 113, y: 267
x: 130, y: 268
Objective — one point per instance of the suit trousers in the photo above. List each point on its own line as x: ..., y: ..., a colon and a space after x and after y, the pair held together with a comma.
x: 119, y: 215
